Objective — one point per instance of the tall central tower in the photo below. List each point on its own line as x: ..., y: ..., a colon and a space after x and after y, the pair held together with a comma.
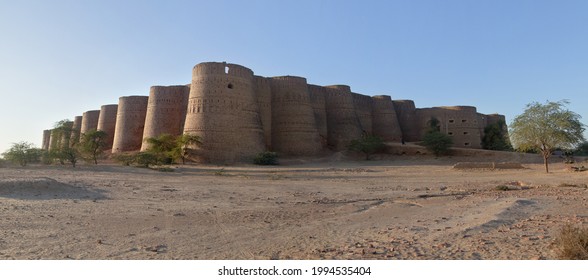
x: 223, y: 110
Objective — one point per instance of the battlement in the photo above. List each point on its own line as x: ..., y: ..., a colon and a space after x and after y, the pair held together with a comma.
x: 222, y: 68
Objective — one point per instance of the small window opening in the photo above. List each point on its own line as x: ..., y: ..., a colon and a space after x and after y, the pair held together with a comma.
x: 450, y: 133
x: 226, y: 69
x: 464, y: 121
x: 465, y: 133
x: 466, y: 144
x: 451, y: 121
x: 230, y: 86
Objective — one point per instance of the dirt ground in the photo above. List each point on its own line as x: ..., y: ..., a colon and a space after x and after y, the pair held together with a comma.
x: 397, y: 207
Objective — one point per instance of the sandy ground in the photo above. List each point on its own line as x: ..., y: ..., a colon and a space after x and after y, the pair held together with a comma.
x: 397, y: 208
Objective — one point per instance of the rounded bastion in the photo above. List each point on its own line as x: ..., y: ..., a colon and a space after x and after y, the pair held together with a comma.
x: 107, y: 122
x: 130, y: 121
x: 166, y: 111
x: 89, y: 121
x: 385, y: 120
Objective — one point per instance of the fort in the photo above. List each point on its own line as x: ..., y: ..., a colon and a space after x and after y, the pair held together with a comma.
x: 238, y: 115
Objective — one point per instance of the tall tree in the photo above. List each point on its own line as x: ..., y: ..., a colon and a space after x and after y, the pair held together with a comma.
x: 546, y: 127
x: 92, y: 144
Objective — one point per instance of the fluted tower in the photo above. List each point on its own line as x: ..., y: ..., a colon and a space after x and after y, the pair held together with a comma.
x: 342, y: 119
x: 294, y: 130
x: 130, y: 121
x: 46, y: 139
x: 406, y: 115
x: 223, y: 110
x: 263, y: 91
x: 89, y: 121
x: 75, y: 130
x: 107, y: 122
x: 317, y: 100
x: 385, y: 121
x: 166, y: 111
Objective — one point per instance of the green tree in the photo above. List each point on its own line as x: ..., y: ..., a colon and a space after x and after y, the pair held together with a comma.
x: 23, y: 153
x: 367, y: 145
x: 437, y: 142
x: 496, y: 137
x: 183, y: 144
x: 92, y: 144
x: 546, y: 127
x: 163, y: 147
x: 69, y: 154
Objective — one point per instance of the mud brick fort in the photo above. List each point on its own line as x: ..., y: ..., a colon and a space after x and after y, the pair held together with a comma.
x: 238, y: 115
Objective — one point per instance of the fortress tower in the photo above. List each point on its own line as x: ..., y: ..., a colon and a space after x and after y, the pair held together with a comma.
x: 46, y: 139
x: 317, y: 100
x: 130, y: 121
x: 342, y: 119
x: 107, y: 122
x: 406, y: 115
x: 223, y: 110
x: 75, y: 130
x: 166, y: 111
x: 262, y: 88
x: 294, y: 130
x: 89, y: 121
x: 385, y: 120
x: 364, y: 110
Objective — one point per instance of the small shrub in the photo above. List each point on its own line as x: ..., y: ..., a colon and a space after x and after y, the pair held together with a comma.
x: 125, y: 158
x: 220, y: 172
x: 572, y: 243
x: 165, y: 169
x: 502, y: 188
x: 146, y: 159
x: 437, y: 142
x: 266, y: 158
x: 367, y: 145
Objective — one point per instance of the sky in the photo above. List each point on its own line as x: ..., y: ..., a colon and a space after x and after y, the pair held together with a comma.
x: 61, y: 58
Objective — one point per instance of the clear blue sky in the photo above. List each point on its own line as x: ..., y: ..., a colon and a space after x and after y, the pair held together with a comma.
x: 61, y: 58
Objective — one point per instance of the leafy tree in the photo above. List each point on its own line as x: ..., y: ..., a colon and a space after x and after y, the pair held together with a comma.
x: 146, y: 159
x: 169, y: 148
x: 163, y: 147
x: 183, y: 144
x: 434, y: 140
x: 61, y: 134
x: 368, y: 145
x: 437, y: 142
x: 23, y: 153
x: 92, y: 144
x: 546, y: 127
x: 70, y: 155
x: 495, y: 137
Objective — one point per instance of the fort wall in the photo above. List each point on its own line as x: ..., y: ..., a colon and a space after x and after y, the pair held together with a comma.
x: 294, y: 130
x: 107, y: 122
x: 89, y: 121
x: 238, y: 115
x: 166, y: 111
x: 130, y: 122
x: 459, y: 122
x: 385, y: 120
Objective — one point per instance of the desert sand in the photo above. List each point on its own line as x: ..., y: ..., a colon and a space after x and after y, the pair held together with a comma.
x: 393, y: 207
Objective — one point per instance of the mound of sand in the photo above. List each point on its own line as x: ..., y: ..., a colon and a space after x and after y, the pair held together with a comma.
x: 43, y: 188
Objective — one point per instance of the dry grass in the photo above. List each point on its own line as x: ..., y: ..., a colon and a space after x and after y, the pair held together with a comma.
x: 572, y: 243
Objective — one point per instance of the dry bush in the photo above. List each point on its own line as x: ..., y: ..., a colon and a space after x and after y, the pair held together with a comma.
x: 572, y: 243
